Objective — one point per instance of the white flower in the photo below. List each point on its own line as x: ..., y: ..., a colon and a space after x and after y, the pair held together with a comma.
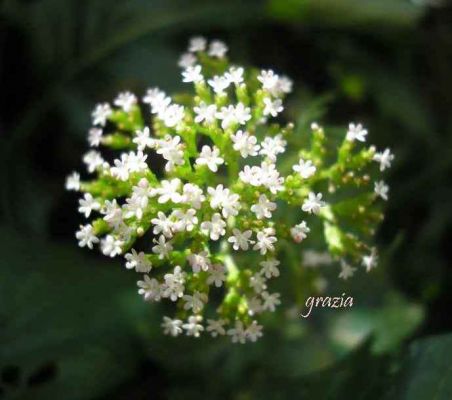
x: 193, y: 326
x: 172, y: 327
x: 234, y: 75
x: 312, y: 258
x: 270, y: 267
x: 210, y: 157
x: 112, y: 213
x: 186, y: 60
x: 370, y: 261
x: 142, y: 192
x: 385, y: 158
x: 223, y: 198
x: 134, y: 208
x: 199, y: 261
x: 217, y: 275
x: 216, y: 327
x: 172, y: 115
x: 347, y: 271
x: 101, y: 113
x: 217, y: 49
x: 162, y: 247
x: 299, y: 232
x: 245, y: 143
x: 238, y: 333
x: 313, y: 203
x: 381, y: 189
x: 73, y: 182
x: 195, y: 302
x: 142, y: 139
x: 205, y: 112
x: 265, y: 241
x: 125, y: 100
x: 258, y: 283
x: 268, y: 79
x: 219, y: 84
x: 272, y: 107
x: 356, y: 132
x: 305, y: 168
x: 138, y: 261
x: 88, y: 204
x: 240, y: 240
x: 272, y: 146
x: 93, y: 160
x: 227, y: 116
x: 254, y: 331
x: 86, y: 236
x: 131, y: 162
x: 111, y: 246
x: 193, y: 195
x: 254, y: 306
x: 169, y: 191
x: 184, y: 220
x: 174, y: 285
x: 263, y: 208
x: 94, y: 137
x: 242, y: 113
x: 171, y: 150
x: 192, y: 74
x: 157, y: 99
x: 215, y: 227
x: 162, y: 224
x: 197, y: 43
x: 284, y: 84
x: 270, y: 301
x: 149, y: 289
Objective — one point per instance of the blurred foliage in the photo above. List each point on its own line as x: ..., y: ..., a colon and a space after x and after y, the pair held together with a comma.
x: 71, y: 325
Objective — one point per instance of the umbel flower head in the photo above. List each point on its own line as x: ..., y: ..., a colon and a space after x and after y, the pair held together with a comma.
x: 193, y: 199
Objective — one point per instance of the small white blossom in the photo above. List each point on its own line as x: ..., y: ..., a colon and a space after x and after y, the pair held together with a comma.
x: 195, y: 302
x: 162, y: 247
x: 381, y: 190
x: 270, y: 301
x: 94, y: 137
x: 138, y: 261
x: 112, y: 213
x: 171, y: 149
x: 299, y: 232
x: 73, y: 182
x: 245, y: 143
x: 157, y: 99
x: 269, y: 80
x: 205, y: 112
x: 101, y: 113
x: 217, y: 275
x: 217, y: 49
x: 149, y: 289
x: 142, y: 139
x: 93, y: 160
x: 224, y: 199
x: 88, y: 204
x: 193, y: 327
x: 254, y: 331
x: 272, y: 107
x: 385, y: 159
x: 272, y: 146
x: 125, y: 100
x: 210, y: 157
x: 265, y: 241
x: 347, y: 271
x: 193, y: 195
x: 197, y: 43
x: 184, y: 220
x: 263, y: 208
x: 215, y: 227
x: 216, y: 327
x: 199, y: 262
x: 162, y: 224
x: 219, y: 84
x: 242, y: 113
x: 370, y: 261
x: 235, y: 75
x: 172, y: 327
x: 186, y: 60
x: 270, y: 268
x: 356, y: 132
x: 86, y: 236
x: 174, y: 285
x: 192, y: 74
x: 258, y: 283
x: 169, y: 191
x: 240, y: 240
x: 111, y: 246
x: 238, y: 333
x: 313, y: 259
x: 305, y: 168
x: 172, y: 115
x: 313, y: 203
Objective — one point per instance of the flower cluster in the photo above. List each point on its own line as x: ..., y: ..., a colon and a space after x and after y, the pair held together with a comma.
x: 192, y: 199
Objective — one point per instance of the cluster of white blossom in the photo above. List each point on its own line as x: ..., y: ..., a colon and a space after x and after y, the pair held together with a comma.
x: 218, y: 196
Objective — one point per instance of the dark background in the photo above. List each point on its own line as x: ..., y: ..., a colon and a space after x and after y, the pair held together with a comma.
x: 71, y: 324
